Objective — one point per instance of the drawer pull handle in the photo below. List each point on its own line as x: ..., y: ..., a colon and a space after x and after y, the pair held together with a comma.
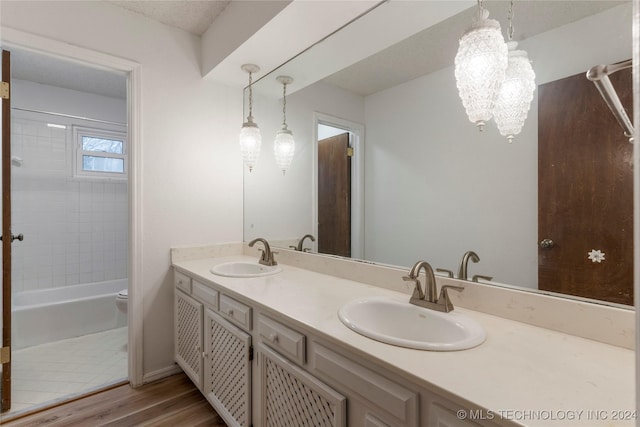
x: 180, y: 282
x: 230, y: 312
x: 273, y: 337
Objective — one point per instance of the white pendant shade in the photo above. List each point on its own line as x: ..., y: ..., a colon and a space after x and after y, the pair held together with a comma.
x: 250, y: 138
x: 515, y: 94
x: 250, y: 143
x: 284, y: 148
x: 480, y: 66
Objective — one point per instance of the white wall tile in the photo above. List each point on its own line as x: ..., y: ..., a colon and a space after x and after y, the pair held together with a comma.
x: 73, y: 229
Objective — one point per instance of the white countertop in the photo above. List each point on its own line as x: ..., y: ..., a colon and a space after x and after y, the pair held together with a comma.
x: 530, y: 375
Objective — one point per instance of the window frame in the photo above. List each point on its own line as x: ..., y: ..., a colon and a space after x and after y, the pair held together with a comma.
x: 82, y: 131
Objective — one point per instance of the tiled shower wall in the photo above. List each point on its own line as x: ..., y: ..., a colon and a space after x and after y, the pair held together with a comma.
x: 75, y: 231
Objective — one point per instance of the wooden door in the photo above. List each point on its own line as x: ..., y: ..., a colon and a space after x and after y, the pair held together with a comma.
x: 5, y: 353
x: 585, y: 191
x: 334, y: 195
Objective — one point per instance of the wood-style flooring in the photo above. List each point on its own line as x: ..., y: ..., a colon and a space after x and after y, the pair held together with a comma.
x: 172, y: 401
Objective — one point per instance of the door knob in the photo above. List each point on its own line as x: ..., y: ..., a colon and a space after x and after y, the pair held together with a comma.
x: 18, y: 237
x: 546, y: 243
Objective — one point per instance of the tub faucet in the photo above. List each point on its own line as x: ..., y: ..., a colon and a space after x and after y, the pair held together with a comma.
x: 428, y: 298
x: 267, y: 256
x: 462, y: 271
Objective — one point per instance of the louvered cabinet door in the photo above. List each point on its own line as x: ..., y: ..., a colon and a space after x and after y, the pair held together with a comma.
x: 227, y: 378
x: 290, y: 397
x: 188, y: 336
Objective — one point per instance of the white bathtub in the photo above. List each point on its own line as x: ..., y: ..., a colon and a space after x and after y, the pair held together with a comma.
x: 54, y: 314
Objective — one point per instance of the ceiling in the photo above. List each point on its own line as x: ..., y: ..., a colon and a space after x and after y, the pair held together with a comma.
x: 192, y: 16
x: 50, y: 70
x: 424, y: 52
x: 435, y: 47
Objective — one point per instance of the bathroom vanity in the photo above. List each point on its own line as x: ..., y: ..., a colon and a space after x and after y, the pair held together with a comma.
x: 271, y: 351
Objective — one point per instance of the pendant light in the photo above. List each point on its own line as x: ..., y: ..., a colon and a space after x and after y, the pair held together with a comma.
x: 480, y: 66
x: 250, y: 138
x: 516, y: 92
x: 284, y: 146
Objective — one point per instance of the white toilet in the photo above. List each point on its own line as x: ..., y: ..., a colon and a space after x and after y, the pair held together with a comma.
x: 122, y: 300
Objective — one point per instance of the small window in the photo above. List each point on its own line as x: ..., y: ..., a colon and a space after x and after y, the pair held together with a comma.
x: 100, y: 153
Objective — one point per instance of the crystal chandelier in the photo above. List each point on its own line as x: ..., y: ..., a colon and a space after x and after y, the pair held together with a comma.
x: 480, y: 66
x: 250, y: 138
x: 516, y: 92
x: 284, y: 146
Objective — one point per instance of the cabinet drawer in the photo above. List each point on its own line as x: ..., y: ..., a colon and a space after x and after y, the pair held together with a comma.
x: 283, y: 339
x: 235, y: 311
x: 386, y: 398
x: 205, y: 294
x: 182, y: 282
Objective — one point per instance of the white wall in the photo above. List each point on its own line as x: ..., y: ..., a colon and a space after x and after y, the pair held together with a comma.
x: 278, y: 207
x: 76, y: 230
x: 438, y: 187
x: 42, y: 97
x: 191, y: 170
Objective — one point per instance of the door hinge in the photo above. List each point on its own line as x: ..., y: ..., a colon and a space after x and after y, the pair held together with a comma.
x: 250, y: 352
x: 5, y: 355
x: 349, y: 151
x: 4, y: 90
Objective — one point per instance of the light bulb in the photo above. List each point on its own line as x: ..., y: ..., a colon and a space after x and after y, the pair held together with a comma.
x: 515, y: 94
x: 480, y: 65
x: 250, y: 143
x: 284, y: 148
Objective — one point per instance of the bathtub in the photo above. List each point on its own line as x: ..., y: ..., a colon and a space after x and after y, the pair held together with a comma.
x: 54, y: 314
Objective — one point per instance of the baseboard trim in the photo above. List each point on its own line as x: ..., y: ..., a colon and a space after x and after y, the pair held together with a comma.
x: 160, y: 373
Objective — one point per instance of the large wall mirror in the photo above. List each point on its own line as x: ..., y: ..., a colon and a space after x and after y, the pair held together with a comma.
x: 423, y: 182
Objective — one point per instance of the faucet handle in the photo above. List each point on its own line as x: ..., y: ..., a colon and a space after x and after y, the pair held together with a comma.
x: 480, y: 276
x: 417, y: 290
x: 449, y: 273
x: 293, y: 247
x: 443, y: 299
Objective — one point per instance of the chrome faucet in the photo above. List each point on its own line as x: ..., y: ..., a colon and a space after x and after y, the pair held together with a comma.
x: 267, y: 256
x: 301, y: 242
x: 462, y: 271
x: 428, y: 298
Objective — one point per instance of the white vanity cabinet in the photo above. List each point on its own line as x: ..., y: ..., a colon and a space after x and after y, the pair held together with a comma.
x: 188, y: 330
x: 374, y: 399
x: 227, y: 369
x: 297, y: 378
x: 288, y: 395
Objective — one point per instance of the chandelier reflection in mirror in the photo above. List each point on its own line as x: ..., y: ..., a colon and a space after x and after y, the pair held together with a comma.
x: 284, y: 146
x: 480, y: 65
x: 250, y: 138
x: 516, y: 91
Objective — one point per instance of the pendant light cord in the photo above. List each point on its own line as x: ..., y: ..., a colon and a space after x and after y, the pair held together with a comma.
x: 510, y: 30
x: 284, y: 106
x: 250, y: 95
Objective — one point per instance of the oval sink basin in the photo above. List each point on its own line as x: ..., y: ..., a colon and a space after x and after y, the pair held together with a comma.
x: 407, y: 325
x: 244, y: 269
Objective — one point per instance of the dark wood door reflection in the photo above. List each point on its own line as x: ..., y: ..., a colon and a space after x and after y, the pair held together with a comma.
x: 585, y: 191
x: 334, y: 196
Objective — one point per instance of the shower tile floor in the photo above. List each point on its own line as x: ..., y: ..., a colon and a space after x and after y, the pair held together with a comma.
x: 55, y: 371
